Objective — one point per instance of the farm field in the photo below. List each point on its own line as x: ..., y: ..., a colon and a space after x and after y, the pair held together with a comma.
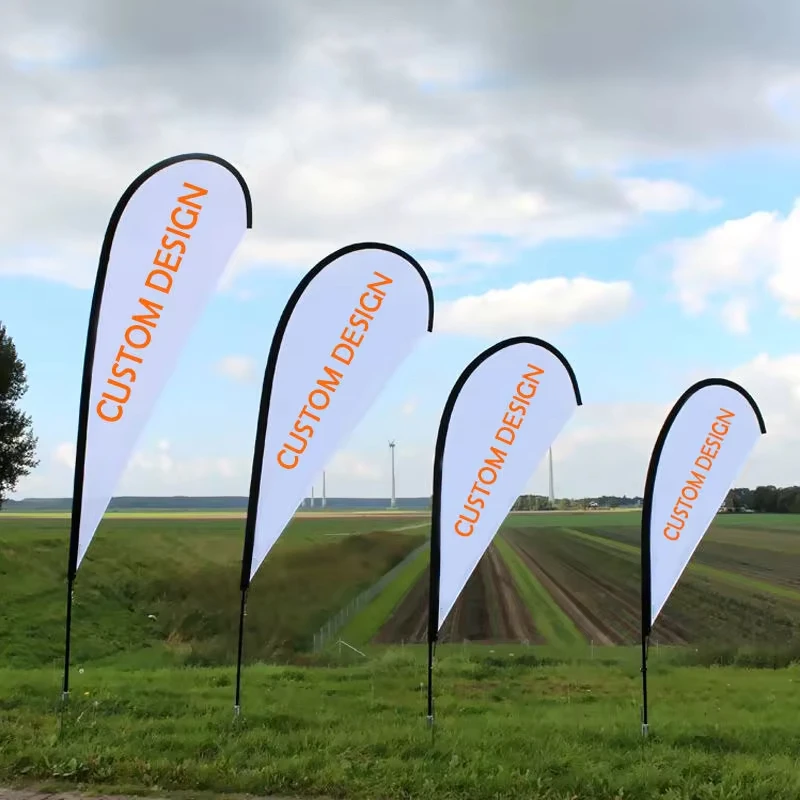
x: 575, y: 577
x: 162, y: 589
x: 490, y: 609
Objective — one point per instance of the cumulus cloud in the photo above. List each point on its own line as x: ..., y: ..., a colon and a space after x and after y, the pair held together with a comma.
x: 241, y: 369
x: 64, y: 455
x: 356, y: 121
x: 544, y: 305
x: 731, y: 260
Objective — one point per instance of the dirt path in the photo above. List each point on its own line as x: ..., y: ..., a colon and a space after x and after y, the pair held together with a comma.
x: 489, y: 610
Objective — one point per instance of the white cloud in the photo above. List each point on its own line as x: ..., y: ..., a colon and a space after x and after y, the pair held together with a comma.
x: 346, y: 126
x: 735, y: 315
x: 409, y: 407
x: 665, y: 196
x: 606, y: 447
x: 64, y: 455
x: 352, y: 468
x: 738, y: 257
x: 542, y: 306
x: 241, y: 369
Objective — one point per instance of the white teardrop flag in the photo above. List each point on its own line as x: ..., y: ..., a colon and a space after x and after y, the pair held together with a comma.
x: 702, y: 447
x: 351, y: 322
x: 501, y: 417
x: 169, y: 240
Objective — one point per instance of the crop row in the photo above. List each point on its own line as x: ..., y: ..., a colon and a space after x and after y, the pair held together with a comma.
x: 758, y: 553
x: 598, y: 586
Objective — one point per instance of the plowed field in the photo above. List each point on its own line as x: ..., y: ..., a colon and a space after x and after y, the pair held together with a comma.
x: 489, y: 610
x: 598, y: 588
x: 771, y: 556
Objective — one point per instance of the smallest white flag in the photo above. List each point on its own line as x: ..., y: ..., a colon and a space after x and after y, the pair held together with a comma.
x: 702, y: 447
x: 501, y: 417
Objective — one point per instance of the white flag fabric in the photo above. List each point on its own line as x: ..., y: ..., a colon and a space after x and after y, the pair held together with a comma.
x: 701, y: 448
x: 502, y: 416
x: 169, y: 240
x: 351, y: 322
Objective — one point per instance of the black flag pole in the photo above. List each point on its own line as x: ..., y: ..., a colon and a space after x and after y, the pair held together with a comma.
x: 436, y: 505
x: 433, y: 604
x: 242, y: 614
x: 646, y: 571
x: 252, y: 510
x: 435, y: 563
x: 646, y: 594
x: 88, y: 367
x: 83, y: 421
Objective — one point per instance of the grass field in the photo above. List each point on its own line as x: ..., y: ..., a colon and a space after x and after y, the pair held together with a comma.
x: 506, y: 728
x: 537, y: 694
x: 165, y: 591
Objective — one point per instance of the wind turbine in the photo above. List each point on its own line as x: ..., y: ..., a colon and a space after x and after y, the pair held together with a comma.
x: 393, y: 502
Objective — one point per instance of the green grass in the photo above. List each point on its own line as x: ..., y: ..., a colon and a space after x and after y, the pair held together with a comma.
x: 557, y: 722
x: 506, y: 728
x: 556, y: 627
x: 366, y: 624
x: 185, y: 573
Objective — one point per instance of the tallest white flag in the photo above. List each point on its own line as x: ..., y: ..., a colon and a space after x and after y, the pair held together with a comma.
x: 169, y: 240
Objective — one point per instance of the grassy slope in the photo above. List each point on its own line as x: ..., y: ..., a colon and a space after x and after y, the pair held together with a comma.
x: 186, y: 574
x: 366, y: 624
x: 506, y: 728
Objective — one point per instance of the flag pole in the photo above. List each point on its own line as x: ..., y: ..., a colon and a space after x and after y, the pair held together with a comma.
x: 237, y: 706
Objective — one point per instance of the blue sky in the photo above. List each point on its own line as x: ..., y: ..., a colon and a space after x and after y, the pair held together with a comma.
x: 388, y: 165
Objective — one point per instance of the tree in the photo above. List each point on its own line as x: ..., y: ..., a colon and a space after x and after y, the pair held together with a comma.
x: 17, y: 442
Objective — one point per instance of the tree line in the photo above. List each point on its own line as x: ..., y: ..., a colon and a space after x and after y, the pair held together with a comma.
x: 538, y: 502
x: 766, y: 499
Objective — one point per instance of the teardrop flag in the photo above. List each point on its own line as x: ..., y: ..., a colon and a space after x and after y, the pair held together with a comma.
x: 169, y: 239
x: 350, y: 323
x: 500, y: 419
x: 701, y: 448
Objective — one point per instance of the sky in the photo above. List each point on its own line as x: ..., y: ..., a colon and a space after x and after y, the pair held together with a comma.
x: 621, y: 179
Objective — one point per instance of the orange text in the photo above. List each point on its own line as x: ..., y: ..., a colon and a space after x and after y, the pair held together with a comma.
x: 704, y: 462
x: 139, y: 334
x: 343, y: 353
x: 505, y: 435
